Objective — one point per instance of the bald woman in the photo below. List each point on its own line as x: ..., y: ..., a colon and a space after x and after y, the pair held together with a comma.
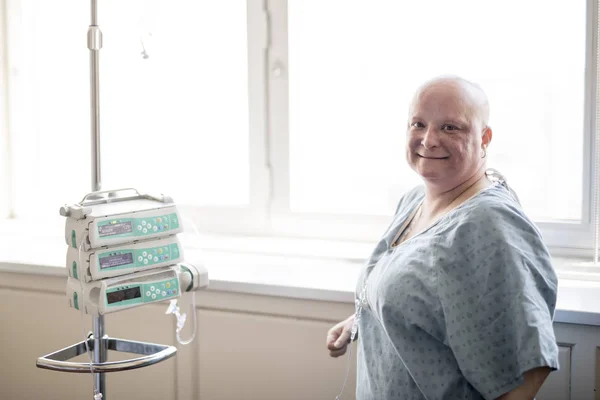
x: 457, y: 298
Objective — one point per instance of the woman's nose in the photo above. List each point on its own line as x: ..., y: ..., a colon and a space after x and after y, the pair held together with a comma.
x: 430, y: 138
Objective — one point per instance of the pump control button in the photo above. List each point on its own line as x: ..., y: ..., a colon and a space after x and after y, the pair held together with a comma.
x: 148, y: 294
x: 164, y: 293
x: 152, y: 288
x: 153, y: 296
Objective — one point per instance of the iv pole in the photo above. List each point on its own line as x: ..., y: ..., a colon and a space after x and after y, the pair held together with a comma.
x: 94, y: 42
x: 98, y: 342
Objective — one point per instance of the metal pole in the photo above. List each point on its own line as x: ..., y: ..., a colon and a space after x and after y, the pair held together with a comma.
x: 99, y: 352
x: 95, y: 44
x: 596, y: 157
x: 94, y: 39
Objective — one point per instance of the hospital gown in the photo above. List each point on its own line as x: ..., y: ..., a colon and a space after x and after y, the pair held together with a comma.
x: 460, y: 310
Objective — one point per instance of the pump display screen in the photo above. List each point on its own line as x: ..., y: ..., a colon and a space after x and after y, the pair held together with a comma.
x: 122, y: 295
x: 116, y: 260
x: 115, y: 229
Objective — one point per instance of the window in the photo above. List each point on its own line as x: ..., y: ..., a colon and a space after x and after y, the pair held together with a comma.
x: 183, y: 111
x: 5, y: 163
x: 49, y: 105
x: 289, y: 117
x: 174, y: 122
x: 353, y: 69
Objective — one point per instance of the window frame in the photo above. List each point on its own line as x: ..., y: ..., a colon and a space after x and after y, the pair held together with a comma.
x: 5, y: 154
x: 569, y: 238
x: 207, y: 218
x: 252, y: 219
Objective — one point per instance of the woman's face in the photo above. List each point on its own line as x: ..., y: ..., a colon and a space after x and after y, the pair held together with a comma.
x: 445, y: 129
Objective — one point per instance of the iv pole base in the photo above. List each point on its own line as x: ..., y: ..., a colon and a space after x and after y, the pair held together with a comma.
x: 151, y: 354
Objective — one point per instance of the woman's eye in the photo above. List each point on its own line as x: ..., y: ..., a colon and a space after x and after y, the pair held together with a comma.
x: 449, y: 128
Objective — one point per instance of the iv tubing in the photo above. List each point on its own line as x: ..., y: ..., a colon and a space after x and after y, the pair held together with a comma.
x: 339, y: 396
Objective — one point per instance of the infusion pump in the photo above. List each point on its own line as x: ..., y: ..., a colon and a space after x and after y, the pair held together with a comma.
x: 108, y: 262
x: 123, y: 252
x: 117, y: 217
x: 133, y: 290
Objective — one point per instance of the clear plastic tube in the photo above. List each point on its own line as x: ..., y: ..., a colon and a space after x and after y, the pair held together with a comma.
x: 339, y: 396
x: 174, y: 308
x: 191, y: 339
x: 181, y: 318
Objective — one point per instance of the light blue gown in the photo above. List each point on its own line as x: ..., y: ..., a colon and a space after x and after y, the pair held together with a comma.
x: 459, y: 311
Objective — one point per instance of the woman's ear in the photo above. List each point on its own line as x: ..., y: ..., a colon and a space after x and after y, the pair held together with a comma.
x: 486, y: 136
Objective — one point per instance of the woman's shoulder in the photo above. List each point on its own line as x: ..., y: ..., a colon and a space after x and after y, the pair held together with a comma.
x: 497, y: 201
x: 493, y: 233
x: 497, y: 212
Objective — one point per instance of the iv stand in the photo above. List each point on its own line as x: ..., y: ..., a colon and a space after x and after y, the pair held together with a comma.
x: 98, y: 342
x: 94, y: 42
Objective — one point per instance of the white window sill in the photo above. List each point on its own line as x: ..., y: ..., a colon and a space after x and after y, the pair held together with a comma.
x: 293, y: 268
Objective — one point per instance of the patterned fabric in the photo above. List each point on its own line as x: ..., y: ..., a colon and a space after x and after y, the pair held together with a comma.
x: 459, y: 311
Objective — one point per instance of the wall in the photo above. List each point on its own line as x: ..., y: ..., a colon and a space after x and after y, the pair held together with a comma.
x: 247, y: 346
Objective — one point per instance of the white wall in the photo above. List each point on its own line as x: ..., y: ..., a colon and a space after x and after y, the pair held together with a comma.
x: 247, y: 347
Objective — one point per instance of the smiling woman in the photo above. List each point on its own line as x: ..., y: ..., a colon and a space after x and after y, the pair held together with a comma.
x: 458, y: 296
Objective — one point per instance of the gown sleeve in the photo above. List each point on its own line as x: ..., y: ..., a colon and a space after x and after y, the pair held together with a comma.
x: 498, y: 296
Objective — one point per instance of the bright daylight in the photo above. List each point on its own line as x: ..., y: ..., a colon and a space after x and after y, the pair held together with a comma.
x: 286, y: 199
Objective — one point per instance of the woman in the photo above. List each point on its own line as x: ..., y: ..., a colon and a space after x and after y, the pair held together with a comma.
x: 457, y: 299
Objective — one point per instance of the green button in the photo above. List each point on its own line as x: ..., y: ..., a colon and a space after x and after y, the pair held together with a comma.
x: 75, y: 270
